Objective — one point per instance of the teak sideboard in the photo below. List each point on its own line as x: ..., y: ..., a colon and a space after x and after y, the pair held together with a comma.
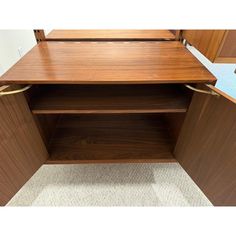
x: 116, y: 97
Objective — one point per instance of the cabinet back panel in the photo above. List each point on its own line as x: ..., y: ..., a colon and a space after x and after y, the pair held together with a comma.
x: 111, y: 138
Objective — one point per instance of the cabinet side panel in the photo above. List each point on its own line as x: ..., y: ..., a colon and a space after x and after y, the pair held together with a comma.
x: 22, y: 150
x: 206, y: 148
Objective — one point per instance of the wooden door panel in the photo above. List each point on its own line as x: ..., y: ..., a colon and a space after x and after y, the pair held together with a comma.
x: 217, y: 45
x: 206, y: 41
x: 227, y: 53
x: 22, y: 150
x: 206, y: 147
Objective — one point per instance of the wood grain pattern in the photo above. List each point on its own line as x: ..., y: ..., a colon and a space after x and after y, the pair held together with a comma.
x: 110, y: 138
x: 107, y: 62
x: 206, y: 148
x: 206, y: 41
x: 217, y: 45
x: 74, y: 99
x: 22, y: 150
x: 228, y: 49
x: 107, y: 35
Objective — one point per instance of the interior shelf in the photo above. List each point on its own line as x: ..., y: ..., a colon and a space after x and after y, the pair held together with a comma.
x: 84, y: 99
x: 111, y: 138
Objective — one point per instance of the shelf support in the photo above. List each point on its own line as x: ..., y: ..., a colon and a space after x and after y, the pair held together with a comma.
x: 2, y: 93
x: 201, y: 90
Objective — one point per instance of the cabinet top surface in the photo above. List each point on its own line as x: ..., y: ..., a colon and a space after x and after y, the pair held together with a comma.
x: 110, y: 34
x: 107, y: 62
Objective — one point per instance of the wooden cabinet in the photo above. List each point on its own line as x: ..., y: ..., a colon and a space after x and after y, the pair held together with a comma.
x: 125, y: 102
x: 218, y: 46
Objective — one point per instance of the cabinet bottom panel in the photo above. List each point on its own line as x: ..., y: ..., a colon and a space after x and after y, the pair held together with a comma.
x: 111, y: 139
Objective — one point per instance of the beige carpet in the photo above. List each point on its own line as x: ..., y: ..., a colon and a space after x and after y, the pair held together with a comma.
x: 110, y: 185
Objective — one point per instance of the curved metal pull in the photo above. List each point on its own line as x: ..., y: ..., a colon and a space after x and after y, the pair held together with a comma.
x: 202, y: 91
x: 2, y: 93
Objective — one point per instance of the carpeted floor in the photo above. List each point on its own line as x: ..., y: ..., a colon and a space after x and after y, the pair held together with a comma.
x: 110, y: 185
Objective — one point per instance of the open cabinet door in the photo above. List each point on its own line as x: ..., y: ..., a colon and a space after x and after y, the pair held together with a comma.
x: 206, y: 147
x: 22, y: 150
x: 217, y: 45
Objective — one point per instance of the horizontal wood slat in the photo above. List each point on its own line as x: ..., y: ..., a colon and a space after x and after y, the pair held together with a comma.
x: 106, y: 62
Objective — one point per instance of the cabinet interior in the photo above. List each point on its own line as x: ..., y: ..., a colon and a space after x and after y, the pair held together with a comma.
x: 109, y: 123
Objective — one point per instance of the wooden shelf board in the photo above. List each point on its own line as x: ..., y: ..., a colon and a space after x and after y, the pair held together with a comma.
x: 66, y: 35
x: 108, y: 63
x: 84, y: 99
x: 110, y: 139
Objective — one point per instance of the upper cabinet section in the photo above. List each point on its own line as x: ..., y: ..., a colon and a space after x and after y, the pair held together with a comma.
x: 108, y: 35
x: 218, y: 46
x: 108, y: 63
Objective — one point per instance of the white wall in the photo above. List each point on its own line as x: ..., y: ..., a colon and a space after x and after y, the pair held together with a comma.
x: 12, y: 44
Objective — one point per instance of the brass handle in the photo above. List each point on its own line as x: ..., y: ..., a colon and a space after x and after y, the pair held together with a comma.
x: 201, y: 90
x: 2, y: 93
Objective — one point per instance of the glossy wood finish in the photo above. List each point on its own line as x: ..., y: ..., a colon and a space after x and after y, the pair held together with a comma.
x: 108, y: 62
x: 108, y: 35
x: 72, y: 99
x: 217, y: 45
x: 206, y: 148
x: 22, y: 150
x: 111, y: 138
